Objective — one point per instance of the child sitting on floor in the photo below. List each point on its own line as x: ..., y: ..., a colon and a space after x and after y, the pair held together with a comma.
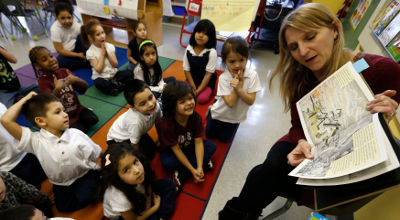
x: 24, y: 165
x: 62, y: 83
x: 66, y: 38
x: 181, y: 135
x: 68, y: 156
x: 14, y: 192
x: 237, y: 89
x: 200, y: 60
x: 129, y: 187
x: 133, y: 125
x: 149, y: 69
x: 132, y: 53
x: 10, y: 88
x: 101, y: 55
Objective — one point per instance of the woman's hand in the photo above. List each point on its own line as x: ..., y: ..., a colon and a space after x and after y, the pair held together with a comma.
x: 299, y: 153
x: 385, y: 104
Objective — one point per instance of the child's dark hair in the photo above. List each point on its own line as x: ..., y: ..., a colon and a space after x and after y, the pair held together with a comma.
x: 133, y: 87
x: 33, y: 52
x: 156, y: 67
x: 63, y: 5
x: 37, y: 106
x: 208, y: 27
x: 171, y: 94
x: 136, y: 25
x: 110, y: 177
x: 89, y: 29
x: 21, y: 212
x: 235, y: 44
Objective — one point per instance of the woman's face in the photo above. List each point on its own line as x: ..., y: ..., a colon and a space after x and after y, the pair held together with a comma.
x: 312, y: 48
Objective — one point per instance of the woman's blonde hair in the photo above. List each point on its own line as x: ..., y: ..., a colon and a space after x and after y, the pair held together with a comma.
x: 295, y: 78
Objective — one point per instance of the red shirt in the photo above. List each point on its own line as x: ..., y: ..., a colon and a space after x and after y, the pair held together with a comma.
x: 67, y: 95
x: 171, y: 133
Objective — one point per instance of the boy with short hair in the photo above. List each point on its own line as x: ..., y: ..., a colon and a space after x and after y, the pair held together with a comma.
x: 134, y: 124
x: 68, y: 156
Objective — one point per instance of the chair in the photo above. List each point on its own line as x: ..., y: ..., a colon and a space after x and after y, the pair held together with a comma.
x: 14, y: 9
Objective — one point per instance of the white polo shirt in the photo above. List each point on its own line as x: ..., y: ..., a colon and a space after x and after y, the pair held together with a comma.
x: 9, y: 155
x: 220, y: 110
x: 65, y: 36
x: 138, y: 73
x: 94, y: 53
x: 114, y: 203
x: 63, y: 159
x: 131, y: 125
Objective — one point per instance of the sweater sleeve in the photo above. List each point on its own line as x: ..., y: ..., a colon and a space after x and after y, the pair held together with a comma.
x: 296, y: 131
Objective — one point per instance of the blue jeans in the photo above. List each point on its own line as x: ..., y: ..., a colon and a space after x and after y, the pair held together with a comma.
x: 8, y: 97
x: 171, y: 163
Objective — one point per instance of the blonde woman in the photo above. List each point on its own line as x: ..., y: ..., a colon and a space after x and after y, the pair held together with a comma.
x: 311, y: 49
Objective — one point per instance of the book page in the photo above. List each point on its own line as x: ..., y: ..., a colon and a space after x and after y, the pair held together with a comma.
x: 338, y: 127
x: 390, y: 164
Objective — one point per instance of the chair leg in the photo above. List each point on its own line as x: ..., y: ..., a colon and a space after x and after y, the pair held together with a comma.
x: 280, y: 211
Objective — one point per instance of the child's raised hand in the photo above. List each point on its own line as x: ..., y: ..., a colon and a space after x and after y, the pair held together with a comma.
x: 30, y: 95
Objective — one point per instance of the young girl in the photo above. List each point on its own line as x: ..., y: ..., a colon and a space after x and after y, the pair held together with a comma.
x: 200, y: 60
x: 62, y: 83
x: 140, y: 30
x: 65, y: 34
x: 101, y: 56
x: 149, y: 69
x: 129, y: 189
x: 237, y: 88
x: 180, y: 133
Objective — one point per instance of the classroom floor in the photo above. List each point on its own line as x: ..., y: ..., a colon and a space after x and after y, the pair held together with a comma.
x: 266, y: 121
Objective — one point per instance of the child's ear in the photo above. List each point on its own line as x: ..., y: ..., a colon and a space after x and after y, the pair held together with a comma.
x: 40, y: 121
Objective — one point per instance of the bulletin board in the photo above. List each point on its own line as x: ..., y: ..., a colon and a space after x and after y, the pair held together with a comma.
x: 232, y: 15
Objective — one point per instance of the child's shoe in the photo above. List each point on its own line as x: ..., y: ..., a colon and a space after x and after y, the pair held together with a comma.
x: 209, y: 166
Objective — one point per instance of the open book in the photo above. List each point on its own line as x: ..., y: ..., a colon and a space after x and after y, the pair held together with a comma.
x: 349, y: 143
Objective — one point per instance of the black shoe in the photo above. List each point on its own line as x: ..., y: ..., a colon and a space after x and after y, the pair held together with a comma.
x: 114, y: 92
x: 231, y: 212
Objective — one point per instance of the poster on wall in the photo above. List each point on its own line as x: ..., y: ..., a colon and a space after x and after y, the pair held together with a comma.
x: 108, y: 8
x: 388, y: 12
x: 359, y: 12
x: 394, y: 48
x: 390, y: 31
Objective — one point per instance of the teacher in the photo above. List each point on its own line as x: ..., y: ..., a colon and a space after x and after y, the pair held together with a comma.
x: 311, y: 47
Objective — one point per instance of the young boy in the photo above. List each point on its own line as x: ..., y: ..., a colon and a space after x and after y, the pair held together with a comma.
x: 24, y: 165
x: 134, y: 124
x: 68, y: 156
x: 10, y: 88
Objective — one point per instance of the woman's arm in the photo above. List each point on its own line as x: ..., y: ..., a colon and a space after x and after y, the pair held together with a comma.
x: 60, y: 49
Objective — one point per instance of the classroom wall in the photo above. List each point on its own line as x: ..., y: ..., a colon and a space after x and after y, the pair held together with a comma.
x: 333, y: 5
